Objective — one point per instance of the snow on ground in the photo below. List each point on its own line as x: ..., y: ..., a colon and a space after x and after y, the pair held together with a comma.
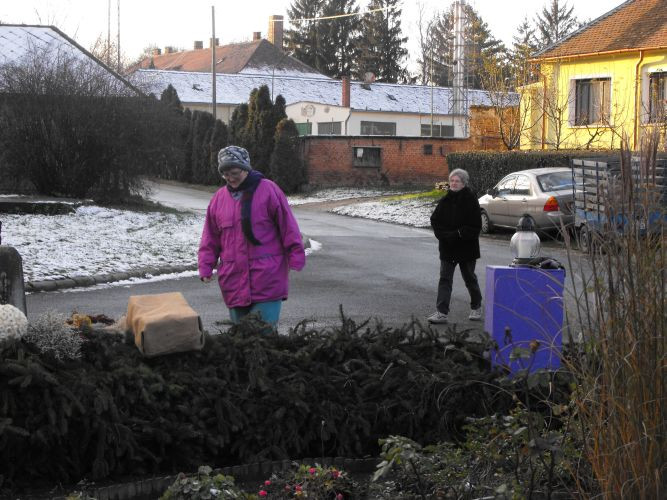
x: 337, y: 194
x: 411, y: 212
x: 96, y: 240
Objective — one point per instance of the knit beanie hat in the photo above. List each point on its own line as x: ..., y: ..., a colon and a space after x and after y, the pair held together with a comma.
x: 233, y: 156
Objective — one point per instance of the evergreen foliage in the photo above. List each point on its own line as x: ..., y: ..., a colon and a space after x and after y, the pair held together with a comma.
x: 554, y: 22
x: 480, y: 48
x: 238, y: 124
x: 523, y: 47
x: 340, y: 44
x: 382, y: 45
x: 246, y: 397
x: 260, y: 128
x: 304, y: 40
x: 287, y: 169
x: 170, y: 98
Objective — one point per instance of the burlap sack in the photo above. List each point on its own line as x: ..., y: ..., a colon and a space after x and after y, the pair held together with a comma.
x: 164, y: 323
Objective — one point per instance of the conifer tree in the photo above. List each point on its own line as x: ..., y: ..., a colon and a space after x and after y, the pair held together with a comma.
x: 218, y: 141
x: 260, y: 128
x: 381, y: 43
x: 481, y: 47
x: 523, y: 47
x: 169, y: 97
x: 554, y: 22
x: 339, y: 46
x: 304, y: 39
x: 287, y: 169
x: 238, y: 124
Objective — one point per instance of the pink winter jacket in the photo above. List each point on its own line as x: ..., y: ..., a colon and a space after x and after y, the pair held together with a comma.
x: 247, y: 273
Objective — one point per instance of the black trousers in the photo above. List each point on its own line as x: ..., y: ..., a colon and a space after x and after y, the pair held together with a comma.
x: 447, y: 278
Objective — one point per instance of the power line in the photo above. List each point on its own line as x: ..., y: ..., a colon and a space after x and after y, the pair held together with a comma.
x: 338, y: 16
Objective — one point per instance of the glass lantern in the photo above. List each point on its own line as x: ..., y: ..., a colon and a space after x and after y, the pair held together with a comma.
x: 525, y: 244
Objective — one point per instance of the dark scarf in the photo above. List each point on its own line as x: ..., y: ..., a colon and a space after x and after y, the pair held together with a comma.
x: 248, y: 188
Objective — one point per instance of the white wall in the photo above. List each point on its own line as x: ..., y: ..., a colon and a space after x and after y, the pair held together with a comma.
x: 407, y: 124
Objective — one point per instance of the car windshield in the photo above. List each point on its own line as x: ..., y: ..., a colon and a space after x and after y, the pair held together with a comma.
x: 555, y: 181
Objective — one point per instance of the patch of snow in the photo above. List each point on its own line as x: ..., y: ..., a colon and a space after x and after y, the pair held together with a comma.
x: 337, y: 194
x: 97, y: 240
x: 132, y: 281
x: 314, y: 247
x: 413, y: 212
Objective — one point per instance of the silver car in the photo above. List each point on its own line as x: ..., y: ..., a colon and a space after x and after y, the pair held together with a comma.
x: 544, y: 193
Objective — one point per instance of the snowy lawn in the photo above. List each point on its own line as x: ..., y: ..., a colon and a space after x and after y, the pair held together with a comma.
x: 98, y: 240
x: 342, y: 194
x: 415, y: 211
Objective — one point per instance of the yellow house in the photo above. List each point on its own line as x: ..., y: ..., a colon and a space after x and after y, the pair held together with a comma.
x: 605, y: 83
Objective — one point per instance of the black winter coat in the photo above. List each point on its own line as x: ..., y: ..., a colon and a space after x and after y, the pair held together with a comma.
x: 456, y: 222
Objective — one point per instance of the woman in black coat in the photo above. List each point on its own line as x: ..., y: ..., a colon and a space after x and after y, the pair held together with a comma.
x: 456, y: 222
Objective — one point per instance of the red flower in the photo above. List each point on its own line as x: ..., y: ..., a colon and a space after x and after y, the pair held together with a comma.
x: 339, y: 496
x: 335, y: 474
x: 267, y: 483
x: 262, y: 493
x: 312, y: 470
x: 297, y: 487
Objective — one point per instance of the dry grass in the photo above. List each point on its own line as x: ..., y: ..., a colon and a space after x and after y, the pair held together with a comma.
x: 620, y: 366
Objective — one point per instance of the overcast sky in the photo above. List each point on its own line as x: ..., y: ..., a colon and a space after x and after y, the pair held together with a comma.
x: 179, y: 22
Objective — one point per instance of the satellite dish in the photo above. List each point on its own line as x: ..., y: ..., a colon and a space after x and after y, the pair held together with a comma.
x: 369, y: 77
x: 308, y: 110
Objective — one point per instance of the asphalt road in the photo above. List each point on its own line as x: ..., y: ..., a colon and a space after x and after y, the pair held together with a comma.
x: 371, y: 269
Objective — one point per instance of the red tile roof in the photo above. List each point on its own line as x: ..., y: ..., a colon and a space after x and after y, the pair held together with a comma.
x: 633, y: 25
x: 230, y: 58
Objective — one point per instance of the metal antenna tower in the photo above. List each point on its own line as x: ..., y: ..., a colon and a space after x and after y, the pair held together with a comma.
x: 459, y: 88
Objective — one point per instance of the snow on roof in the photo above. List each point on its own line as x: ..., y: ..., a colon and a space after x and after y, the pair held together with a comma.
x: 20, y: 41
x: 235, y: 89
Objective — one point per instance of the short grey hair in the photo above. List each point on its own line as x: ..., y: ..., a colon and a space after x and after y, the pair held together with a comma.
x: 461, y: 174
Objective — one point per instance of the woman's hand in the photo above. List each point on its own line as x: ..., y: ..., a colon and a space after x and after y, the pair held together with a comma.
x: 205, y: 280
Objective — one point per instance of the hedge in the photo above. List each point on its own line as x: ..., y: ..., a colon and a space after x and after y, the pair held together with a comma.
x: 486, y: 168
x: 246, y: 397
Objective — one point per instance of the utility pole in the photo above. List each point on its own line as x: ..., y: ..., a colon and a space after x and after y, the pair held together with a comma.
x: 118, y: 37
x: 108, y: 58
x: 214, y: 103
x: 431, y: 78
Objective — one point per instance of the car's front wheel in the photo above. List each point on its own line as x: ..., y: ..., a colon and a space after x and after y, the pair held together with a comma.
x: 487, y: 227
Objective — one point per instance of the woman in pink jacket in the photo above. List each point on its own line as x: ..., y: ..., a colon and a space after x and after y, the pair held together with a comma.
x: 252, y: 236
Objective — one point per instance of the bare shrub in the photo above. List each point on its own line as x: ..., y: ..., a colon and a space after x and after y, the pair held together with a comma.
x: 71, y: 127
x: 621, y: 393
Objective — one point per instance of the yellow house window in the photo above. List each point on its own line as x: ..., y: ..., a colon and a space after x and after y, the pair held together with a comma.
x: 658, y: 96
x: 592, y: 101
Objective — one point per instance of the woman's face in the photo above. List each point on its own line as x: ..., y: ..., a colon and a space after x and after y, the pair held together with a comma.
x: 235, y: 176
x: 455, y: 183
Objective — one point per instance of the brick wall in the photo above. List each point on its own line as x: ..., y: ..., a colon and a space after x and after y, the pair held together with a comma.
x: 330, y: 159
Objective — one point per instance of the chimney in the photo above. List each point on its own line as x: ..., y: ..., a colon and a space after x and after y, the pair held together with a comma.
x: 346, y: 91
x: 156, y: 51
x: 256, y: 35
x: 210, y: 42
x: 199, y: 44
x: 276, y: 31
x: 169, y: 50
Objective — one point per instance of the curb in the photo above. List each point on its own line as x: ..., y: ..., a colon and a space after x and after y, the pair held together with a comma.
x: 98, y: 279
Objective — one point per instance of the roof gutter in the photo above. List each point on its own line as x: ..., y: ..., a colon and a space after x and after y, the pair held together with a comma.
x: 601, y: 53
x: 637, y: 89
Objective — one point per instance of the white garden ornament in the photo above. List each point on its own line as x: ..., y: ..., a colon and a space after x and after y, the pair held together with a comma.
x: 13, y: 323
